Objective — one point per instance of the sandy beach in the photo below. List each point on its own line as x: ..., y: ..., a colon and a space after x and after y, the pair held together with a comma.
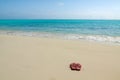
x: 32, y: 58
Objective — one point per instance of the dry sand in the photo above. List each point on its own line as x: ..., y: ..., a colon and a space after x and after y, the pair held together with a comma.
x: 31, y: 58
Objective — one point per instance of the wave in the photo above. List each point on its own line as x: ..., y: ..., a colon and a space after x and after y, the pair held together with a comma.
x: 98, y: 38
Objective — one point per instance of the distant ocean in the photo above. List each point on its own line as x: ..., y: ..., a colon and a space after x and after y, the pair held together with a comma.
x: 91, y: 30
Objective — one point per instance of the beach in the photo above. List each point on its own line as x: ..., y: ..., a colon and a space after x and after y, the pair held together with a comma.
x: 33, y: 58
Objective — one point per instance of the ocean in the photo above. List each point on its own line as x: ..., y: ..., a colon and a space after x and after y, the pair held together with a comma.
x: 107, y: 31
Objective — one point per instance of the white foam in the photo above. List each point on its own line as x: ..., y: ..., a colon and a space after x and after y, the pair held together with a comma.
x: 98, y: 38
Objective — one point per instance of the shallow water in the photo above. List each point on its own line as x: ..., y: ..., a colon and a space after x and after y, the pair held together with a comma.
x: 93, y: 30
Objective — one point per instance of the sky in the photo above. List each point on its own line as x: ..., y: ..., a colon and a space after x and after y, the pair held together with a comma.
x: 59, y: 9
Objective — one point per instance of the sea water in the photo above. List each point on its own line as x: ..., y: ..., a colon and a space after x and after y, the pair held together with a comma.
x: 91, y: 30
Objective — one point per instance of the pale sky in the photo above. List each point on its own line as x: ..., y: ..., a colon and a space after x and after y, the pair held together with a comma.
x: 59, y: 9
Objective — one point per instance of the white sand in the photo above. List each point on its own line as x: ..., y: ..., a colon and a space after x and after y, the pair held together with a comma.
x: 30, y: 58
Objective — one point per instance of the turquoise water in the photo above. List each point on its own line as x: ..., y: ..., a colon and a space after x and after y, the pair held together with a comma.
x: 97, y: 30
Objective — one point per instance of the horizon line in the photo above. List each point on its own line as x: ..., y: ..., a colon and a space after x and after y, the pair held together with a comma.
x: 57, y: 19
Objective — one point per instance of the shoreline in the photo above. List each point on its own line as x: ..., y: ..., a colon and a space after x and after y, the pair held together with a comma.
x: 88, y: 38
x: 32, y: 58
